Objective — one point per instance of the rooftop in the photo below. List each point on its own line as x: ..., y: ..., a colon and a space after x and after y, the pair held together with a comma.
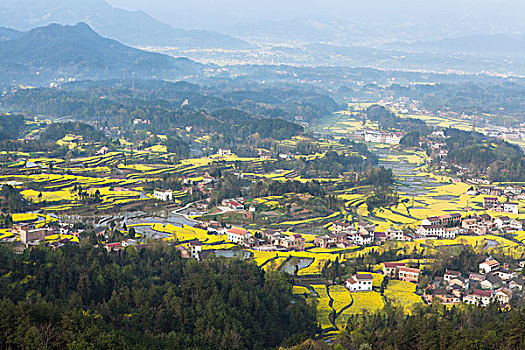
x: 364, y: 276
x: 237, y: 231
x: 393, y: 264
x: 482, y: 293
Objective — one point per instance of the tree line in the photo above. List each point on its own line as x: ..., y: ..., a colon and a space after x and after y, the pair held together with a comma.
x: 82, y: 297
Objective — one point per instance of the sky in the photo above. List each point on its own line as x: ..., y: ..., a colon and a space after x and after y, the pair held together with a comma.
x: 217, y: 14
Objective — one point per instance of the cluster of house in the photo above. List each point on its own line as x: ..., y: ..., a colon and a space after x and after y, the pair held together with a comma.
x: 449, y: 225
x: 404, y: 105
x: 276, y: 240
x: 506, y: 133
x: 346, y: 235
x: 399, y: 270
x: 440, y: 227
x: 265, y: 155
x: 204, y: 186
x: 30, y: 235
x: 189, y: 186
x: 192, y: 250
x: 118, y: 246
x: 493, y: 204
x: 269, y: 240
x: 492, y: 283
x: 513, y: 192
x: 376, y: 136
x: 363, y: 282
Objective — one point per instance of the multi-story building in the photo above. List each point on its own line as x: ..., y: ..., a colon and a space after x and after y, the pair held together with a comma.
x: 238, y: 235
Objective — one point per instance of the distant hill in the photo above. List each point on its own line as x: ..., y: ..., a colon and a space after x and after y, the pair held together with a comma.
x: 55, y: 51
x: 129, y: 27
x: 8, y: 34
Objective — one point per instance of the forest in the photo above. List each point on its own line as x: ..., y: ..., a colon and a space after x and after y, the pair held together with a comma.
x: 437, y: 327
x: 482, y: 155
x: 84, y: 298
x: 11, y: 126
x: 56, y: 131
x: 113, y: 103
x: 11, y: 200
x: 499, y: 99
x: 333, y: 164
x: 389, y: 121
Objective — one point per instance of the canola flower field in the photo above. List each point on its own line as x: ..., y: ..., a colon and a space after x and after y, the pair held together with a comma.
x: 402, y: 294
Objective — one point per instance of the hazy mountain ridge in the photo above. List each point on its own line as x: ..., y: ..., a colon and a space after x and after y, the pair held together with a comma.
x: 129, y: 27
x: 8, y: 34
x: 54, y: 51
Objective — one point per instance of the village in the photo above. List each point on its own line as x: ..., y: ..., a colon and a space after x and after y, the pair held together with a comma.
x: 492, y: 282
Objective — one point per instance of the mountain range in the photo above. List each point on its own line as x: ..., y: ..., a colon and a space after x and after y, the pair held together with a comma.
x: 135, y: 28
x: 61, y: 51
x: 8, y: 34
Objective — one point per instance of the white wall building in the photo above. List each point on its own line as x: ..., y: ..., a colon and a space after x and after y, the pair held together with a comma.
x: 488, y: 266
x: 238, y: 235
x: 223, y: 152
x: 506, y: 223
x: 511, y: 208
x: 393, y: 234
x: 359, y: 283
x: 163, y: 195
x: 195, y: 249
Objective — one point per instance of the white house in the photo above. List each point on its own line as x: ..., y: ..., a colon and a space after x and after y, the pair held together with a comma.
x: 363, y: 239
x: 163, y: 195
x: 216, y: 229
x: 342, y: 227
x: 511, y: 208
x: 506, y: 223
x: 478, y: 297
x: 431, y: 221
x: 393, y: 234
x: 223, y: 152
x: 488, y: 266
x: 359, y: 283
x: 102, y: 151
x: 195, y: 249
x: 373, y: 136
x: 207, y: 179
x: 438, y: 133
x: 234, y: 205
x: 517, y: 283
x: 512, y: 190
x: 506, y: 274
x: 503, y: 295
x: 502, y: 221
x: 431, y: 231
x: 393, y: 139
x: 450, y: 275
x: 238, y: 235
